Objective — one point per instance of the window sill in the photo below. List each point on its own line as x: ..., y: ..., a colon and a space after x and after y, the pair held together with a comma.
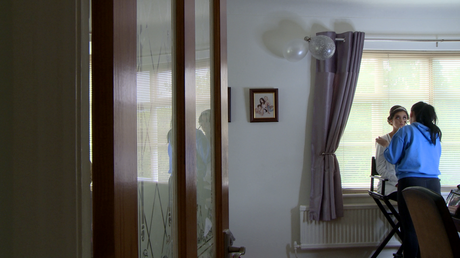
x: 361, y: 195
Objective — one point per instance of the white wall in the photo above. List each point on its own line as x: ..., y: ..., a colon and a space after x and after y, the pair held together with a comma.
x: 269, y: 163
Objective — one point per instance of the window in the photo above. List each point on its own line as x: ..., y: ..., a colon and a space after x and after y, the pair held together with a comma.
x: 154, y: 114
x: 403, y: 78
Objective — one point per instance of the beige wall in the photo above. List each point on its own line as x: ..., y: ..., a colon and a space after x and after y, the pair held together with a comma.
x: 44, y: 151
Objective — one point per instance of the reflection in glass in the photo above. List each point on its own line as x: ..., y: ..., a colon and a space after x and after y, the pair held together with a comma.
x: 204, y: 185
x: 154, y: 122
x: 204, y: 173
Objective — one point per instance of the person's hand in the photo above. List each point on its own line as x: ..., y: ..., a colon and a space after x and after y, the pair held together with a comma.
x: 382, y: 141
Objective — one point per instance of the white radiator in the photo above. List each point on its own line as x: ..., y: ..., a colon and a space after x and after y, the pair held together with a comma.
x: 361, y: 225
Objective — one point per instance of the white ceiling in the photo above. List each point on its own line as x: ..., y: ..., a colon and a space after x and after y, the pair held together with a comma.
x: 381, y: 2
x: 392, y: 2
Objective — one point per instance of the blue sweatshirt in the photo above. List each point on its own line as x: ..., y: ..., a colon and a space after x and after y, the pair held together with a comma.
x: 413, y: 153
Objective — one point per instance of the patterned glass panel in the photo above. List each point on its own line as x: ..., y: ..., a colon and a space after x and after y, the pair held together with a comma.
x: 154, y: 120
x: 205, y: 202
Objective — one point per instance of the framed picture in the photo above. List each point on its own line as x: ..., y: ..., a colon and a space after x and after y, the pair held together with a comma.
x: 263, y: 105
x: 453, y: 202
x: 229, y: 92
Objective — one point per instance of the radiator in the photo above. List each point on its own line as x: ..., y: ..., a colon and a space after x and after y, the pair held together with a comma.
x: 361, y: 225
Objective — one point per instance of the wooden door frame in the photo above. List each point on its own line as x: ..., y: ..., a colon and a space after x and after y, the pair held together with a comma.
x: 184, y: 126
x: 114, y: 118
x: 219, y: 80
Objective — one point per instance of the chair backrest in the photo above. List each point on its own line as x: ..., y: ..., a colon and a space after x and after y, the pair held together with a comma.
x: 435, y: 229
x: 375, y: 175
x: 373, y: 167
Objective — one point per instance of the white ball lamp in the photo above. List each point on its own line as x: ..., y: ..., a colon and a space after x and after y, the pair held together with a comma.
x: 321, y: 47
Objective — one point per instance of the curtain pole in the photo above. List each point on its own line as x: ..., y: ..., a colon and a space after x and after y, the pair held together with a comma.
x: 392, y: 39
x: 418, y: 40
x: 407, y: 40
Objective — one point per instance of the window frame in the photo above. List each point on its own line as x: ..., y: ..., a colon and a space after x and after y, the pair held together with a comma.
x: 429, y: 56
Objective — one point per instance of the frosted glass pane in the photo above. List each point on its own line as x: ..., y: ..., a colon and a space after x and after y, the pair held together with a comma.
x: 205, y: 202
x: 154, y: 120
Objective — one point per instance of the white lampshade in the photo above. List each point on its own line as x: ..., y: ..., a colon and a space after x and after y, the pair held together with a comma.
x: 295, y: 50
x: 322, y: 47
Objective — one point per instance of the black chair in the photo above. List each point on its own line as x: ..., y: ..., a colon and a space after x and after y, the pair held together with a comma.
x: 436, y: 231
x: 388, y: 210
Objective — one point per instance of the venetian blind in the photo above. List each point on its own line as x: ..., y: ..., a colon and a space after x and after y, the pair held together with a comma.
x: 403, y: 78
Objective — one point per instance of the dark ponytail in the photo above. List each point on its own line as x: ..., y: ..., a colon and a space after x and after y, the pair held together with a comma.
x: 425, y: 114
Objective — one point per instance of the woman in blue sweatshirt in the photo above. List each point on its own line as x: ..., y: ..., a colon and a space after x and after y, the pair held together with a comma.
x: 415, y: 150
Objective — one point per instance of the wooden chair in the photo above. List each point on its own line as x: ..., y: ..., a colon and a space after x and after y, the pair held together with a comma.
x: 436, y: 232
x: 387, y: 208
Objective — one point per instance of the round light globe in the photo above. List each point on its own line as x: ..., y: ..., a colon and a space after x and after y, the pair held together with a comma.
x: 322, y: 47
x: 295, y: 50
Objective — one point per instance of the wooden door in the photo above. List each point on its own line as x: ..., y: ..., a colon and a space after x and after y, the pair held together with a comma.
x: 115, y: 176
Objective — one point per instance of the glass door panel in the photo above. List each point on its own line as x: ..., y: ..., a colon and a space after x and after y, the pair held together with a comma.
x: 204, y: 134
x: 154, y: 123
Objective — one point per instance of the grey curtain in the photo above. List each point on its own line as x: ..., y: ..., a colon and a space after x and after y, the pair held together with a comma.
x: 335, y: 86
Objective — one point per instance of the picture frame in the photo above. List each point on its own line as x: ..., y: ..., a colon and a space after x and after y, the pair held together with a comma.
x: 453, y: 202
x: 263, y: 105
x: 229, y: 92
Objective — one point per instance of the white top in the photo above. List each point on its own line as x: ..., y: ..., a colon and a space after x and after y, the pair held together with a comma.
x: 385, y: 168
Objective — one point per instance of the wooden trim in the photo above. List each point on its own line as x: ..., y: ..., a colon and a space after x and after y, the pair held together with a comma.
x: 184, y: 115
x: 220, y: 107
x: 114, y: 128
